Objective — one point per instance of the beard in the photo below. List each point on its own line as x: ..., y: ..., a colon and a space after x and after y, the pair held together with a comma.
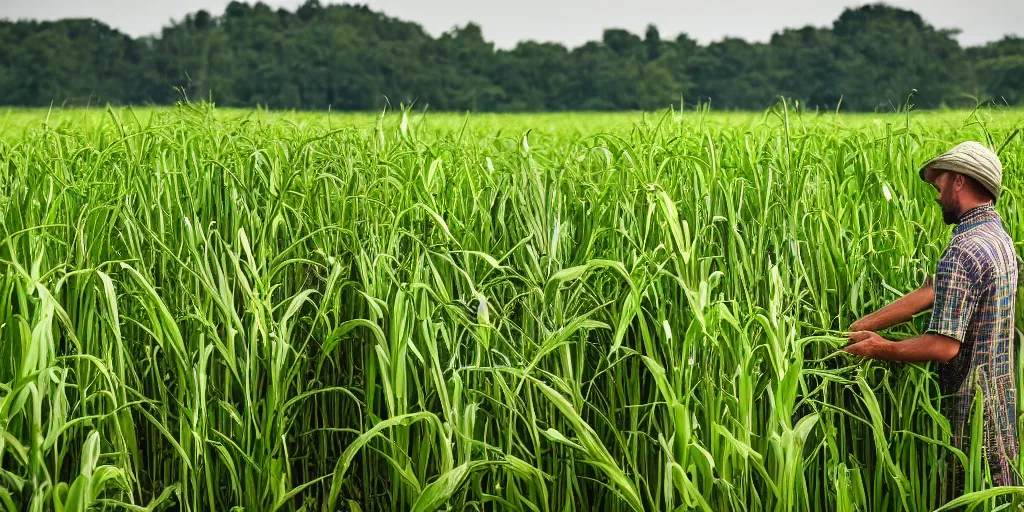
x: 949, y: 215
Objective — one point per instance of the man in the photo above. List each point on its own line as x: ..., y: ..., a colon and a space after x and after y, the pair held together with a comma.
x: 972, y: 301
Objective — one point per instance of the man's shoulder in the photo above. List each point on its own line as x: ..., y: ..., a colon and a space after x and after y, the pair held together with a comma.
x: 982, y: 247
x: 981, y: 237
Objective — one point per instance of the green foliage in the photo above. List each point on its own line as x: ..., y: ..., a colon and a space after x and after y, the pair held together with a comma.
x: 210, y: 309
x: 1001, y: 78
x: 348, y: 57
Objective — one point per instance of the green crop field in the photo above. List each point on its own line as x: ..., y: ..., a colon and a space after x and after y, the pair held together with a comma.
x: 206, y: 309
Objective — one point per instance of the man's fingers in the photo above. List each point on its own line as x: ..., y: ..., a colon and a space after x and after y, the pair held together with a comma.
x: 859, y: 336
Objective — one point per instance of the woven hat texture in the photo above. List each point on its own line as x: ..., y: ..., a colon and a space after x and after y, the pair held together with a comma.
x: 970, y: 159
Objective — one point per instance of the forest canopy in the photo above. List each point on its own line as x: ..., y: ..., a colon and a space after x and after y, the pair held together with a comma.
x: 349, y: 57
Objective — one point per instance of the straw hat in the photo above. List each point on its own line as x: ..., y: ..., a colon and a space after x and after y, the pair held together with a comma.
x: 970, y: 159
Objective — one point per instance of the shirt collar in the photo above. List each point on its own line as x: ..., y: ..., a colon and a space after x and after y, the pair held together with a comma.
x: 976, y: 216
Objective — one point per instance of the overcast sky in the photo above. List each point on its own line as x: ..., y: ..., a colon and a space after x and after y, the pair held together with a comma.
x: 571, y: 22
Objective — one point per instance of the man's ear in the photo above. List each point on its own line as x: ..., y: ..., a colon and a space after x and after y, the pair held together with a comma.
x: 958, y: 182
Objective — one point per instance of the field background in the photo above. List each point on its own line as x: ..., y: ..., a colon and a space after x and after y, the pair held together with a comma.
x: 206, y: 309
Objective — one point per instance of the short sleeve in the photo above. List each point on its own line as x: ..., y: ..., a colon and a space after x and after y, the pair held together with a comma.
x: 955, y: 295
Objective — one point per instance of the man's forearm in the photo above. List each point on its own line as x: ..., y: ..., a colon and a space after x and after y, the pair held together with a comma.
x: 920, y: 349
x: 899, y: 311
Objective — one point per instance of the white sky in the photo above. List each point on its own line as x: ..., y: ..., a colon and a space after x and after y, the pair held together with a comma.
x: 571, y: 22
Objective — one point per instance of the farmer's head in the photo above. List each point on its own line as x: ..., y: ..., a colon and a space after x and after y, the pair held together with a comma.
x: 964, y: 177
x: 957, y: 193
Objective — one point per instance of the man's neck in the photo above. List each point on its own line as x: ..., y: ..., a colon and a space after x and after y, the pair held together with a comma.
x: 969, y: 207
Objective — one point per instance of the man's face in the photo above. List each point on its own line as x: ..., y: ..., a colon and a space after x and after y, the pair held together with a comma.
x: 946, y: 184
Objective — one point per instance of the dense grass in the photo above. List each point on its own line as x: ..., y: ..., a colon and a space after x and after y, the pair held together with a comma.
x: 207, y: 309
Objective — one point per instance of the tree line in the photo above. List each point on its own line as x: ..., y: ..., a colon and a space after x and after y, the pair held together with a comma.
x: 349, y: 57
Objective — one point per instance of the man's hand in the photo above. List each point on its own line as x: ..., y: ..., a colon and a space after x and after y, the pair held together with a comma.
x: 926, y: 347
x: 859, y: 325
x: 867, y: 344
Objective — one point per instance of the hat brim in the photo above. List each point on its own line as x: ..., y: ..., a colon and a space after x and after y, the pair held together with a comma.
x: 928, y: 173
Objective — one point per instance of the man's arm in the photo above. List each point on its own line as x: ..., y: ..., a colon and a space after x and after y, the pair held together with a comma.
x: 901, y: 310
x: 923, y: 348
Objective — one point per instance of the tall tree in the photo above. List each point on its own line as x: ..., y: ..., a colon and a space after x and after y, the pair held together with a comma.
x: 804, y: 66
x: 886, y: 52
x: 652, y: 41
x: 998, y: 70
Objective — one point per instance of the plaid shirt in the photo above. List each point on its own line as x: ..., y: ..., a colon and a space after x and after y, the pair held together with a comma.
x: 975, y: 294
